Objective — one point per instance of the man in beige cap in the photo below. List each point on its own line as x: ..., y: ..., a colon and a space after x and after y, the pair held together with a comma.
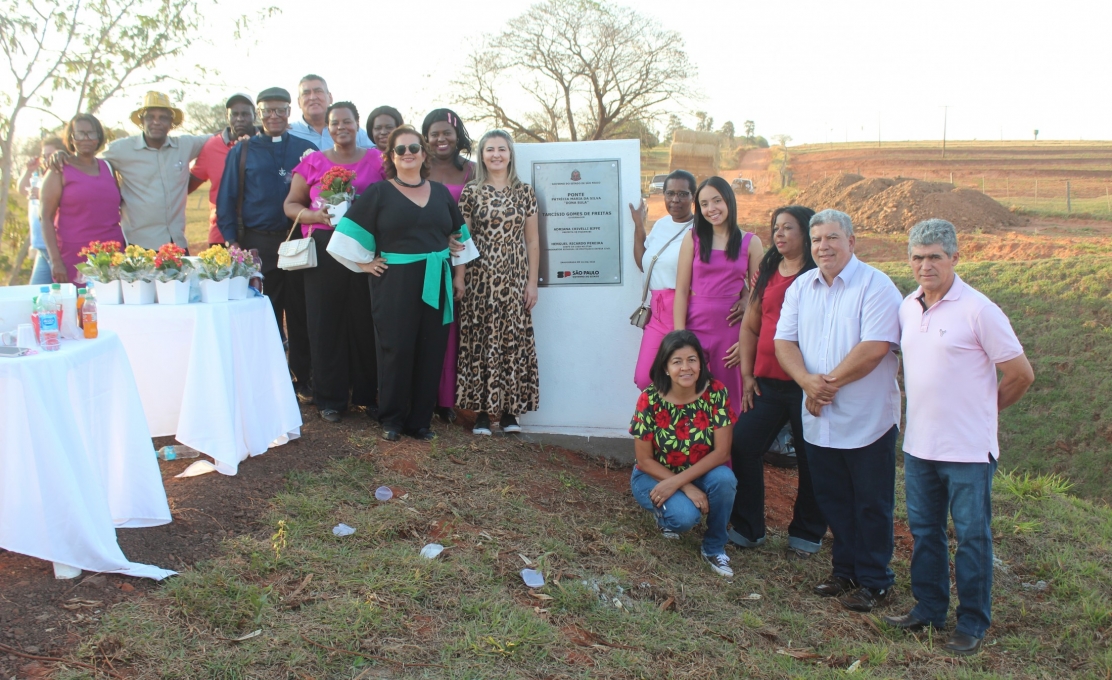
x: 154, y: 173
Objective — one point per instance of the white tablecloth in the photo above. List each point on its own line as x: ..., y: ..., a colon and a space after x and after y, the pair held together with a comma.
x: 76, y: 458
x: 213, y: 375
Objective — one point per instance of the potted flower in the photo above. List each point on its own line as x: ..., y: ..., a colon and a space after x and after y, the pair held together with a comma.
x: 171, y: 272
x: 337, y: 192
x: 245, y: 265
x: 137, y: 275
x: 216, y: 269
x: 102, y: 264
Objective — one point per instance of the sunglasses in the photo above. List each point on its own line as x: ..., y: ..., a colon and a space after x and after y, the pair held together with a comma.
x: 399, y: 150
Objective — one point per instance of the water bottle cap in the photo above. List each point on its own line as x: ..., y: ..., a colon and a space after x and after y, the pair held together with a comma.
x: 55, y: 286
x: 44, y: 289
x: 82, y: 291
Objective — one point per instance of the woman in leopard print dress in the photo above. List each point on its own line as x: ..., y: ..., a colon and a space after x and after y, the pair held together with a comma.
x: 497, y: 356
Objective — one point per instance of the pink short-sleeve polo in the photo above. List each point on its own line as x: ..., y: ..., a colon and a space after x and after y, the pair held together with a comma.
x: 950, y: 353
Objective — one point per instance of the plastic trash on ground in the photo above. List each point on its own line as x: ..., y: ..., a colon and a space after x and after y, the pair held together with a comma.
x: 384, y: 493
x: 532, y: 578
x: 200, y: 467
x: 431, y: 550
x: 342, y: 529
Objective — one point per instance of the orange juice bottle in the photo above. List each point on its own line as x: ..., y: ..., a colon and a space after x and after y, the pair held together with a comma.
x: 89, y: 315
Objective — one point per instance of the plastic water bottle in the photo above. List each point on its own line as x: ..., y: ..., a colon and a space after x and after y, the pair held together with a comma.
x: 56, y: 293
x: 49, y: 325
x: 177, y: 451
x: 89, y: 314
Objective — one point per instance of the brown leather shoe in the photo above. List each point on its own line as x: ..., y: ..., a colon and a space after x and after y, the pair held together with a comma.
x: 864, y: 599
x: 835, y: 586
x: 905, y: 622
x: 963, y: 644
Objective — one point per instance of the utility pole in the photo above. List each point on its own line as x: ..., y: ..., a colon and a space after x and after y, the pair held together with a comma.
x: 945, y: 111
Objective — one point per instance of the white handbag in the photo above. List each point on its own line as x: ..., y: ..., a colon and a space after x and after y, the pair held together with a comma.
x: 299, y: 253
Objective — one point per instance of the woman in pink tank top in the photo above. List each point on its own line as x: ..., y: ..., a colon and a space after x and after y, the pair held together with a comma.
x: 716, y: 259
x: 448, y: 140
x: 82, y: 201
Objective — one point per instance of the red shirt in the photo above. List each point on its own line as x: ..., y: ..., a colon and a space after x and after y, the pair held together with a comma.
x: 772, y: 299
x: 209, y: 167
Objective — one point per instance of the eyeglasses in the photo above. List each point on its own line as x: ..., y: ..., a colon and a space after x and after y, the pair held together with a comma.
x: 81, y: 135
x: 399, y: 150
x: 265, y: 112
x: 681, y: 195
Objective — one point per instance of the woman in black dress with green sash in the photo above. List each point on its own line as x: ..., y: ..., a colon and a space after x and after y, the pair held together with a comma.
x: 399, y: 231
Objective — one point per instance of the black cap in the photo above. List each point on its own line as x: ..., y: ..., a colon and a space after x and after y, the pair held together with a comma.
x: 274, y: 94
x: 239, y: 97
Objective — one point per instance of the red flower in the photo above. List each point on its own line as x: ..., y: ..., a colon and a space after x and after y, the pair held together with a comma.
x: 716, y: 385
x: 676, y: 459
x: 647, y: 437
x: 698, y: 452
x: 733, y: 416
x: 683, y: 428
x: 663, y: 420
x: 701, y: 420
x: 643, y: 402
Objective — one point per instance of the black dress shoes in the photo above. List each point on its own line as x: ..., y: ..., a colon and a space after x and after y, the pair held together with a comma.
x: 905, y: 622
x: 423, y: 434
x: 834, y: 586
x: 391, y: 436
x: 864, y: 599
x: 330, y: 415
x: 963, y: 644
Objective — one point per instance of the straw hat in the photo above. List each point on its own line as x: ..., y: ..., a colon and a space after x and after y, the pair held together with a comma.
x: 156, y: 100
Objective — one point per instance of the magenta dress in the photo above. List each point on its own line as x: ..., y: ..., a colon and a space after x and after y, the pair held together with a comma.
x: 715, y: 287
x: 446, y: 395
x: 89, y: 210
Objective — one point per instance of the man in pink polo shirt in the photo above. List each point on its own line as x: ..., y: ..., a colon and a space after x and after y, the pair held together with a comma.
x: 209, y: 166
x: 954, y: 339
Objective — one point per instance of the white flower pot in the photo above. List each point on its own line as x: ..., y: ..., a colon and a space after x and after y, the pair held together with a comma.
x: 336, y: 212
x: 138, y: 292
x: 172, y: 292
x: 237, y: 288
x: 108, y: 293
x: 214, y: 291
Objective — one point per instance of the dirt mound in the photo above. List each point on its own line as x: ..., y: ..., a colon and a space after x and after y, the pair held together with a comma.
x: 895, y: 205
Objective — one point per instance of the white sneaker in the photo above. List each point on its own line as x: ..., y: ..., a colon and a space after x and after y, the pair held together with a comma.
x: 670, y: 535
x: 719, y: 563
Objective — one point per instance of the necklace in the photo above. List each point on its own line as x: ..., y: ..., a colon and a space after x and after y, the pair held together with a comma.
x: 410, y: 186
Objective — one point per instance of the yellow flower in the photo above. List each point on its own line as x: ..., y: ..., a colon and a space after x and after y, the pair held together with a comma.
x: 117, y: 259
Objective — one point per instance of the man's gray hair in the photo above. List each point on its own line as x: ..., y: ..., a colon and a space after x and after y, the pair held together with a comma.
x: 831, y: 216
x: 930, y: 232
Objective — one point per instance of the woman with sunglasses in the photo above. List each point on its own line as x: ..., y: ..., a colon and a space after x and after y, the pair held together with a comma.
x: 448, y: 141
x: 80, y: 202
x: 337, y: 301
x: 400, y: 231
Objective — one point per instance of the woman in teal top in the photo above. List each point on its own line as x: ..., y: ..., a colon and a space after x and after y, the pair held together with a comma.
x: 399, y: 231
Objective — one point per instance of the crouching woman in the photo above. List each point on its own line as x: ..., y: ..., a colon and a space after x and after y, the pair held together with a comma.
x: 683, y: 428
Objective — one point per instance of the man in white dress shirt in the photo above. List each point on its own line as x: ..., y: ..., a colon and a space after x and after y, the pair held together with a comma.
x: 838, y: 330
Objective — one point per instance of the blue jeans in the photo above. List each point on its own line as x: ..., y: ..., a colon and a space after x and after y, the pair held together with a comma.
x: 964, y: 491
x: 40, y: 274
x: 780, y: 401
x: 679, y: 514
x: 856, y: 491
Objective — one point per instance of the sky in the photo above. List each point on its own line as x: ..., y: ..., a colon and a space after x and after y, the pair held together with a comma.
x: 817, y: 71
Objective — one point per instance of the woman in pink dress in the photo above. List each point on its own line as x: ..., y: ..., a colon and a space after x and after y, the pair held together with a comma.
x: 82, y: 200
x: 716, y: 259
x: 448, y: 140
x: 337, y: 300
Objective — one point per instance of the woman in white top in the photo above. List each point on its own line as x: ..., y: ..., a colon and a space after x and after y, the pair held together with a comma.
x: 663, y: 243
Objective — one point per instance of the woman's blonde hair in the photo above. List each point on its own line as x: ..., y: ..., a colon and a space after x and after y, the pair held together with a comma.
x: 481, y: 172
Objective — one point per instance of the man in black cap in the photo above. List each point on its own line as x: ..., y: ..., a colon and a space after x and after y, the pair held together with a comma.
x: 209, y: 166
x: 249, y: 212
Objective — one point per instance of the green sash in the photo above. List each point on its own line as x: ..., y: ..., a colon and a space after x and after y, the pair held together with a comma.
x: 437, y: 273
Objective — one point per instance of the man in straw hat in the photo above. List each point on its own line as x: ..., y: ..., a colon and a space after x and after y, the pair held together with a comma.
x: 154, y: 173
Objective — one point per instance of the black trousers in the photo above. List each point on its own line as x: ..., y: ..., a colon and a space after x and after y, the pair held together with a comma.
x: 341, y: 331
x: 287, y: 296
x: 411, y: 338
x: 780, y: 401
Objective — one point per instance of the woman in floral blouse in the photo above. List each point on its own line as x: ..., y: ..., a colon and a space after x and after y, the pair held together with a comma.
x: 683, y: 427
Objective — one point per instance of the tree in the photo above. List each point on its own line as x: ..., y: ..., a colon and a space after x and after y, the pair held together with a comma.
x: 588, y: 67
x: 674, y: 123
x: 636, y: 129
x: 780, y: 158
x: 750, y: 128
x: 706, y: 123
x: 90, y: 51
x: 727, y: 132
x: 205, y: 119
